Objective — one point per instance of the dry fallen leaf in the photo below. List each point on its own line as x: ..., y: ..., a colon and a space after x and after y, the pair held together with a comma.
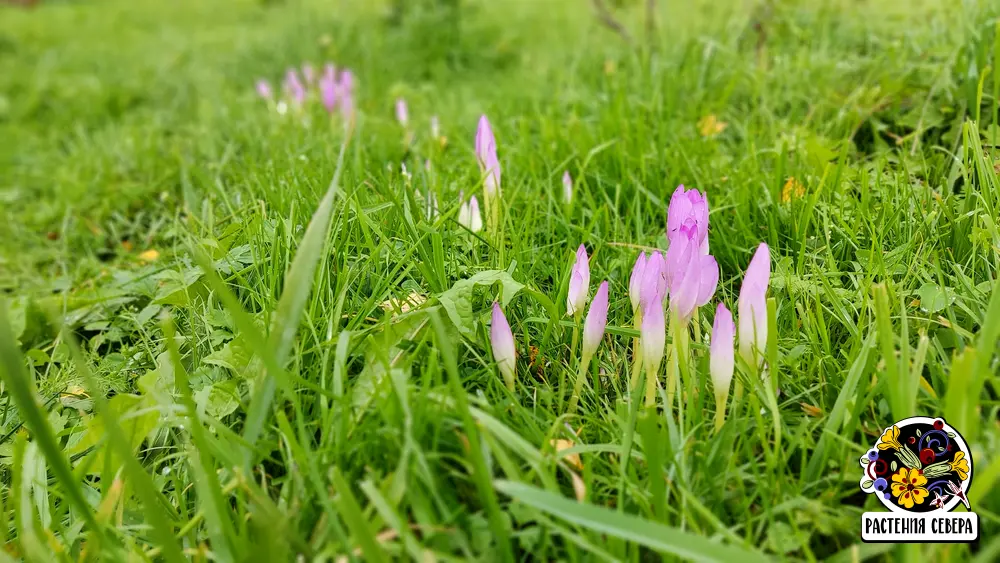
x: 573, y: 459
x: 811, y: 410
x: 793, y: 189
x: 710, y: 126
x: 150, y: 255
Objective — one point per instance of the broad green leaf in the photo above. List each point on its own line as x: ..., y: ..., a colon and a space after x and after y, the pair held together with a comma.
x: 457, y: 301
x: 218, y: 400
x: 659, y: 537
x: 934, y: 298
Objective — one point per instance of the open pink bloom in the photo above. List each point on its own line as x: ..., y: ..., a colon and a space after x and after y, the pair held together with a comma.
x: 502, y: 340
x: 691, y: 276
x: 486, y: 154
x: 752, y: 305
x: 635, y: 281
x: 328, y: 91
x: 567, y: 181
x: 294, y: 88
x: 688, y: 208
x: 579, y: 283
x: 402, y: 112
x: 721, y: 356
x: 597, y: 320
x: 264, y: 89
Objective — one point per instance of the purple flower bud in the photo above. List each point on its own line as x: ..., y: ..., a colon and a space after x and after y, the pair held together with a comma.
x: 654, y: 280
x: 597, y: 320
x: 567, y: 182
x: 328, y: 91
x: 579, y: 283
x: 264, y: 89
x: 402, y: 112
x: 475, y: 218
x: 652, y: 336
x: 689, y: 208
x: 752, y: 305
x: 721, y: 353
x: 635, y: 281
x: 502, y: 340
x: 486, y: 154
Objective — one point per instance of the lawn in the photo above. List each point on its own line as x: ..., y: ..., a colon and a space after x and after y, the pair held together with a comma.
x: 237, y: 328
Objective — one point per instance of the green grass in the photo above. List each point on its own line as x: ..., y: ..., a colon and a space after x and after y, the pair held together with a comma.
x: 246, y: 396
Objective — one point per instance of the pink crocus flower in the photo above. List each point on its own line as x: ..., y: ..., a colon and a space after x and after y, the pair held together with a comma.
x: 402, y: 112
x: 721, y: 360
x: 597, y: 320
x: 486, y: 154
x: 688, y: 209
x: 635, y: 281
x: 264, y: 89
x: 579, y: 283
x: 752, y: 305
x: 502, y: 340
x: 691, y: 276
x: 328, y: 91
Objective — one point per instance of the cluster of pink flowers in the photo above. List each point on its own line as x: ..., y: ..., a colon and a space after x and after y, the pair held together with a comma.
x: 678, y: 281
x: 335, y: 90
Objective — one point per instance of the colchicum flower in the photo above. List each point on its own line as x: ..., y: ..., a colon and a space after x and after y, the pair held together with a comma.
x: 908, y: 487
x: 402, y: 112
x: 593, y: 332
x: 691, y: 276
x: 502, y: 340
x: 328, y: 91
x: 597, y: 320
x: 264, y: 89
x: 752, y: 306
x: 486, y: 154
x: 635, y: 281
x: 468, y: 215
x: 652, y: 339
x: 579, y: 283
x: 722, y: 358
x: 654, y: 280
x: 567, y: 182
x: 689, y: 209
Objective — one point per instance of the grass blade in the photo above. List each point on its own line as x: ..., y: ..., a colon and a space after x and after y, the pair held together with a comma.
x: 656, y: 536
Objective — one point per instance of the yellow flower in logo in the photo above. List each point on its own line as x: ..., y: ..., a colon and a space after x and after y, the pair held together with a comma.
x: 960, y: 465
x: 908, y: 486
x: 890, y: 440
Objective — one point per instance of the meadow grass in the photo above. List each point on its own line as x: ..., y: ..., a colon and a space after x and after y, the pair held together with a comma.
x: 227, y: 335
